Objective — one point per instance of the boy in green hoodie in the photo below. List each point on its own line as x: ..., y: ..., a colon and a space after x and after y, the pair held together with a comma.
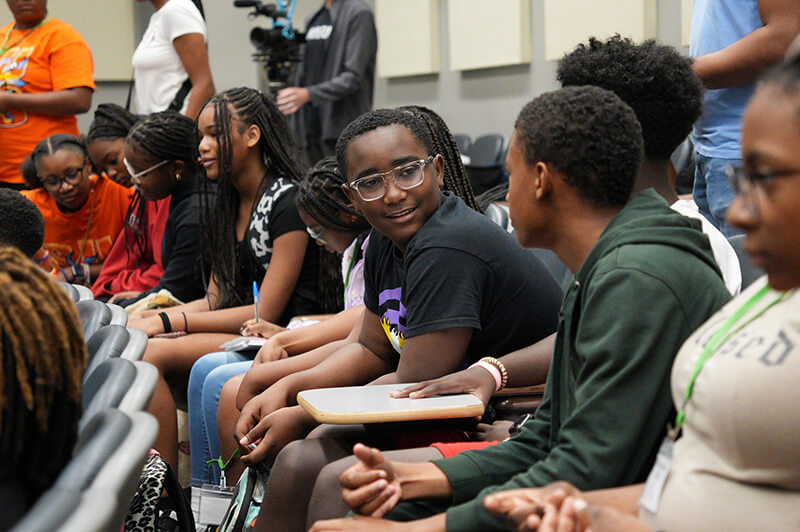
x: 645, y: 278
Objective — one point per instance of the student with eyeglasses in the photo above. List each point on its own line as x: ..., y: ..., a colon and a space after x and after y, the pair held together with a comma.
x: 444, y: 288
x: 83, y: 213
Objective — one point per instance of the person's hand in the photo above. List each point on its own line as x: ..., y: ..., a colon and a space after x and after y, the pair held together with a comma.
x: 257, y: 409
x: 531, y: 508
x: 260, y: 328
x: 271, y: 350
x: 360, y: 524
x: 123, y: 295
x: 143, y: 314
x: 476, y: 381
x: 152, y: 325
x: 291, y: 99
x: 497, y: 431
x: 370, y: 487
x: 273, y: 433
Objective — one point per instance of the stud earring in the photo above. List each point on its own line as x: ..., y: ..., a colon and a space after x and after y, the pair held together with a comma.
x: 178, y: 176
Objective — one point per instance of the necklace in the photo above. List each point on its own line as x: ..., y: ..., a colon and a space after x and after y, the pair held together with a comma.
x: 3, y: 47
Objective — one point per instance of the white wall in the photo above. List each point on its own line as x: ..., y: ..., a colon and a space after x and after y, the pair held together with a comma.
x: 472, y: 102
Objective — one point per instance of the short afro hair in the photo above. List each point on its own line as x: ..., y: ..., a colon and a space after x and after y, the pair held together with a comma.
x: 590, y: 136
x: 372, y: 120
x: 654, y: 79
x: 784, y: 77
x: 21, y: 223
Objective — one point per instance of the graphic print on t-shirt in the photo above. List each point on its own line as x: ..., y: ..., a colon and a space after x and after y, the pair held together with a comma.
x: 13, y: 67
x: 393, y: 317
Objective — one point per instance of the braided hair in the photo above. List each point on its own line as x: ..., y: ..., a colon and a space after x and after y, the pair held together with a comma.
x: 456, y: 179
x: 279, y: 152
x: 48, y: 146
x: 110, y: 122
x: 167, y: 135
x: 42, y: 359
x: 320, y: 195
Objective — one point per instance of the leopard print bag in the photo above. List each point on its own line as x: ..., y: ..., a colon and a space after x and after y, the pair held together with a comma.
x: 149, y: 512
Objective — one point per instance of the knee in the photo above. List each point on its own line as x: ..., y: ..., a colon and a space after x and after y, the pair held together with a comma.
x: 328, y: 478
x: 201, y: 370
x: 300, y: 460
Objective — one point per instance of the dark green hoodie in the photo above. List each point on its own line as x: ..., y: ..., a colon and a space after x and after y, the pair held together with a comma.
x: 649, y: 281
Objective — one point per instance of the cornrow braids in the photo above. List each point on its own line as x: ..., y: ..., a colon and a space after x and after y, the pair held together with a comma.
x: 242, y: 107
x: 48, y: 146
x: 42, y: 359
x: 167, y: 135
x: 456, y: 179
x: 320, y: 194
x: 110, y: 122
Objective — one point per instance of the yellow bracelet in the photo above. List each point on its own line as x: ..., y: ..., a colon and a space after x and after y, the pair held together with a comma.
x: 499, y: 365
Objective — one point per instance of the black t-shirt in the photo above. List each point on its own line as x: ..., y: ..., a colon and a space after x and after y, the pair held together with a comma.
x: 274, y: 215
x: 461, y: 270
x: 317, y: 35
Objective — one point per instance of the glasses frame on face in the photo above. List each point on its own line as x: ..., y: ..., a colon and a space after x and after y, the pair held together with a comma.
x: 72, y: 177
x: 317, y: 235
x: 421, y: 164
x: 136, y: 177
x: 747, y: 183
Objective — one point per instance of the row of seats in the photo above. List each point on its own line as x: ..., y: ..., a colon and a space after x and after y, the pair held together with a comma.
x: 115, y: 434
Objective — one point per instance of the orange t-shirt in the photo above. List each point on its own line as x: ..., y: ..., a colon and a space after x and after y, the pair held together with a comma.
x: 52, y: 57
x: 65, y: 234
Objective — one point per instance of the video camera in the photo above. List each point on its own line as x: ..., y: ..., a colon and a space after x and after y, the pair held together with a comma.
x: 278, y: 47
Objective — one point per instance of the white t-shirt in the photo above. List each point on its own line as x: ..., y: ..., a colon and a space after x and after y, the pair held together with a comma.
x: 157, y: 67
x: 724, y: 254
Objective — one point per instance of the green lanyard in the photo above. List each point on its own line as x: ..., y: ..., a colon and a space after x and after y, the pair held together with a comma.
x: 5, y: 41
x: 716, y: 342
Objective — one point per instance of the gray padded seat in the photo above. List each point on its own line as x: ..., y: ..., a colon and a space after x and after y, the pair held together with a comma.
x: 93, y: 314
x: 498, y: 215
x: 137, y: 397
x: 97, y: 442
x: 118, y: 476
x: 50, y: 511
x: 118, y: 314
x: 71, y: 291
x: 105, y: 388
x: 485, y: 168
x: 137, y: 343
x: 109, y: 341
x: 749, y: 272
x: 84, y: 293
x: 463, y: 141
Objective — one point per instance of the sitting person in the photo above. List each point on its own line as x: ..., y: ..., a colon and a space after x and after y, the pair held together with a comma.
x: 331, y: 220
x: 83, y: 213
x: 21, y: 225
x: 252, y: 232
x: 134, y: 263
x: 736, y: 465
x: 659, y: 84
x: 645, y: 278
x: 42, y: 358
x: 160, y: 157
x: 421, y: 321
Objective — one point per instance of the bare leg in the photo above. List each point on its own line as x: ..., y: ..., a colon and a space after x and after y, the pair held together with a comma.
x: 326, y: 498
x: 227, y: 416
x: 173, y: 357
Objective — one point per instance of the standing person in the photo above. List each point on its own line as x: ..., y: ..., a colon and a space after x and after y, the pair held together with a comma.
x: 83, y: 213
x: 170, y: 65
x: 733, y: 42
x: 252, y: 232
x: 42, y: 359
x: 336, y: 78
x: 46, y: 78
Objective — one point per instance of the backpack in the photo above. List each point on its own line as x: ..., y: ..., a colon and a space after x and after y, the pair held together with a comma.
x: 148, y: 511
x: 246, y: 502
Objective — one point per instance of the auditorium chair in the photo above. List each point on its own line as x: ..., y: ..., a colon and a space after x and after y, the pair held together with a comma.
x: 749, y: 272
x: 118, y: 314
x: 71, y: 291
x: 94, y: 315
x: 107, y: 342
x: 463, y: 141
x: 485, y: 168
x: 84, y: 293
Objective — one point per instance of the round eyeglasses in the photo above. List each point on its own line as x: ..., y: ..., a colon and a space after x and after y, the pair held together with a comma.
x: 405, y: 176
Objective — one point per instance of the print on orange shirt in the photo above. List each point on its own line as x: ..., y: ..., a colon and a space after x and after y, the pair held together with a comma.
x: 13, y: 66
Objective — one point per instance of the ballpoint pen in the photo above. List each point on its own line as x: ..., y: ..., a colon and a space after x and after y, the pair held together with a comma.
x: 255, y: 299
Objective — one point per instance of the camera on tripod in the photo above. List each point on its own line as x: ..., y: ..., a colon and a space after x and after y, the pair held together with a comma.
x: 278, y: 47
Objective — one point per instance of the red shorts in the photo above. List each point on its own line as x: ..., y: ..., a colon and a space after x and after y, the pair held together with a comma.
x: 449, y: 450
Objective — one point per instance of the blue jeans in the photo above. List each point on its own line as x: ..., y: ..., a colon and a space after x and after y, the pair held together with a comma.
x: 209, y: 374
x: 712, y: 191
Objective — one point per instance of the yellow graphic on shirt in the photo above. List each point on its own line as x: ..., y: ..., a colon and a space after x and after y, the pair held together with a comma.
x: 395, y: 337
x: 13, y: 67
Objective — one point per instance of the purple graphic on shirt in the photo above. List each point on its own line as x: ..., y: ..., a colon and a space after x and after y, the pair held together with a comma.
x: 392, y: 317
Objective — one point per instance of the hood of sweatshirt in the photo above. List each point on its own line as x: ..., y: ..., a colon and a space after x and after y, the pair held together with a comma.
x: 648, y: 219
